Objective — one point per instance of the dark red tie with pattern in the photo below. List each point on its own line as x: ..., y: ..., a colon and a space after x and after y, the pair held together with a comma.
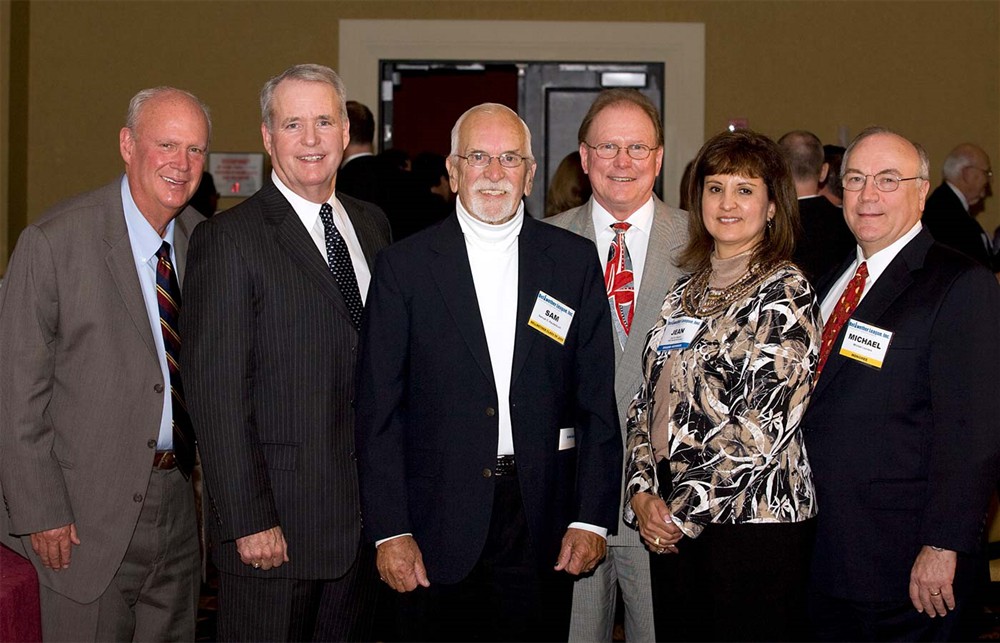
x: 168, y: 296
x: 845, y: 308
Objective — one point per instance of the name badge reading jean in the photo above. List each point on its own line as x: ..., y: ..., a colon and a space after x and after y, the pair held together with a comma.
x: 551, y: 317
x: 678, y: 333
x: 866, y: 344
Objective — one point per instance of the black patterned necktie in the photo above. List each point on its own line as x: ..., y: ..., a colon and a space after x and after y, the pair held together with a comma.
x: 168, y: 296
x: 341, y: 266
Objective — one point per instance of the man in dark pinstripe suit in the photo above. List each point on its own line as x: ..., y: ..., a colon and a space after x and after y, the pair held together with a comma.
x: 273, y: 300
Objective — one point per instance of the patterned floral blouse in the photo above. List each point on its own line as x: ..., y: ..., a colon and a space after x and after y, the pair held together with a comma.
x: 737, y: 395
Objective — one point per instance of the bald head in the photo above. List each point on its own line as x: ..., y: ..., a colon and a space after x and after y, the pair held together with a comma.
x: 804, y: 153
x: 967, y: 167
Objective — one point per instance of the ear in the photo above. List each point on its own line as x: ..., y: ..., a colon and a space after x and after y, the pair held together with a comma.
x: 659, y: 160
x: 452, y: 175
x: 530, y: 180
x: 347, y: 133
x: 925, y: 187
x: 126, y: 144
x: 265, y: 135
x: 771, y: 209
x: 823, y: 172
x: 585, y: 158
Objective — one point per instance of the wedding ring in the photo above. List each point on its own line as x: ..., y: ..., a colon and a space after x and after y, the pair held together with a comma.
x: 937, y: 593
x: 660, y: 550
x: 256, y: 565
x: 657, y: 541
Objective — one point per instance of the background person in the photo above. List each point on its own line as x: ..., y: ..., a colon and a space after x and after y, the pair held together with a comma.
x: 717, y: 475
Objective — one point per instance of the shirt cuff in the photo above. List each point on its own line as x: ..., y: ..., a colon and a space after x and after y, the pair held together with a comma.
x: 385, y: 540
x: 600, y: 531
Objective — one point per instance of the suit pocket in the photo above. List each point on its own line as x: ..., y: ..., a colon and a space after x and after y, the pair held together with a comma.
x: 283, y: 457
x: 898, y: 495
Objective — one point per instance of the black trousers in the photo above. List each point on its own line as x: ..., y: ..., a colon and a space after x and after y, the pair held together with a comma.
x: 835, y: 619
x: 509, y: 596
x: 742, y: 582
x: 288, y: 609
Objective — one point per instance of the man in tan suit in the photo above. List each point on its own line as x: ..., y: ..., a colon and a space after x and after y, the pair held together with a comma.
x: 96, y: 448
x: 621, y: 149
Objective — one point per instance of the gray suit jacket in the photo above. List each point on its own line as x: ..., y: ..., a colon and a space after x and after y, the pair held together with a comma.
x: 666, y: 240
x: 81, y: 391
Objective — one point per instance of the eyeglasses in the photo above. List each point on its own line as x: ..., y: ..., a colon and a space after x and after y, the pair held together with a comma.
x: 988, y: 173
x: 482, y: 159
x: 638, y: 151
x: 884, y: 181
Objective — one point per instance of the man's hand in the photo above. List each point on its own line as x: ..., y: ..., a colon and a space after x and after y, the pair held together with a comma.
x: 263, y: 550
x: 53, y: 545
x: 930, y: 581
x: 580, y: 552
x: 400, y: 564
x: 655, y: 526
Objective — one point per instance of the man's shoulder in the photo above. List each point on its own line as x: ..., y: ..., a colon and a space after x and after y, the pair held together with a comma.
x: 569, y: 218
x: 69, y: 210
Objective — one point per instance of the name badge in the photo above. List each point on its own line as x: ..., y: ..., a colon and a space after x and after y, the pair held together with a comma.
x: 678, y: 333
x: 551, y: 317
x: 567, y: 438
x: 866, y: 344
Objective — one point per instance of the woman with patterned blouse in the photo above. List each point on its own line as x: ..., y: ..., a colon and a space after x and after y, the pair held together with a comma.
x: 718, y: 483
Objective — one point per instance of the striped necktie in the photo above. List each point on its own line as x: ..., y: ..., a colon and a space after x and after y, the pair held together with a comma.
x: 168, y: 296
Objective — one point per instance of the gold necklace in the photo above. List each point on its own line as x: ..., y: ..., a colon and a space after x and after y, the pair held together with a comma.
x: 701, y: 300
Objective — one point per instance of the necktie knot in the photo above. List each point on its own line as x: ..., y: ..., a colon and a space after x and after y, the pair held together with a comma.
x: 164, y: 252
x: 621, y: 227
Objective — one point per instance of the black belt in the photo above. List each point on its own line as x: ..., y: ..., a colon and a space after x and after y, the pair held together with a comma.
x: 164, y: 460
x: 505, y: 466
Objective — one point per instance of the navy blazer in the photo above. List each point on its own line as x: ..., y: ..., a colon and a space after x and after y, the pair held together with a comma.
x: 427, y: 423
x: 907, y: 455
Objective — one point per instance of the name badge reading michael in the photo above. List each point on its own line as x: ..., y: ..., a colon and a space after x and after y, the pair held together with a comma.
x: 551, y: 317
x: 678, y: 333
x: 866, y: 344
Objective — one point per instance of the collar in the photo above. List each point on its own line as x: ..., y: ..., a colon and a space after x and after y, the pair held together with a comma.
x: 145, y: 240
x: 641, y: 219
x: 878, y: 262
x: 304, y: 208
x: 500, y: 236
x: 354, y: 156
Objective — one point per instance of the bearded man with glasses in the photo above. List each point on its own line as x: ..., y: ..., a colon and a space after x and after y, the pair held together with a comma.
x: 900, y: 430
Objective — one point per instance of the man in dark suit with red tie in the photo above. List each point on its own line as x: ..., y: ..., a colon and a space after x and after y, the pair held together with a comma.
x: 488, y: 440
x: 901, y: 429
x: 274, y: 301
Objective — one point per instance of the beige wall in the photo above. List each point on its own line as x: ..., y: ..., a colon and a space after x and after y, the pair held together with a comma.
x: 929, y: 69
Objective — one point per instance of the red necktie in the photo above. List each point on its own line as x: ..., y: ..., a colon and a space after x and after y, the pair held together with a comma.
x: 620, y: 283
x: 845, y: 308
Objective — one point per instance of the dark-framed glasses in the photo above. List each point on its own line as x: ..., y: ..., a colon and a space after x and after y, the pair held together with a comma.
x: 883, y: 181
x: 638, y: 151
x: 482, y: 159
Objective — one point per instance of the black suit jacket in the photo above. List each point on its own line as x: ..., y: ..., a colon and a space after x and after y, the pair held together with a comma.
x: 268, y: 363
x: 427, y: 424
x: 907, y: 455
x: 947, y: 220
x: 825, y: 238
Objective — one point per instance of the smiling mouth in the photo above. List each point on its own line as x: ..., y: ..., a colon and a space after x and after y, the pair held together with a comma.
x: 312, y: 158
x: 621, y: 179
x: 728, y: 219
x: 493, y: 192
x: 171, y: 181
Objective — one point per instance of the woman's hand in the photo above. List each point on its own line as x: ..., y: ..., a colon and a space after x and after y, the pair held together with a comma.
x: 657, y: 530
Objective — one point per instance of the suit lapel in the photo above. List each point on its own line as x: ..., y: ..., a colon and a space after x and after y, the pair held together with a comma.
x: 184, y: 225
x: 534, y: 270
x: 121, y: 265
x: 896, y: 278
x: 453, y: 276
x: 294, y: 240
x: 369, y: 243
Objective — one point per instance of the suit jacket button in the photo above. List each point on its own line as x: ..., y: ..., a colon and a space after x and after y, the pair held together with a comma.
x: 487, y: 473
x: 151, y: 444
x: 490, y: 411
x: 157, y: 388
x: 137, y: 497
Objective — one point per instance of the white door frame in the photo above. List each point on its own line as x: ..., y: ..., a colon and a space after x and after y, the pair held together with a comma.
x: 679, y: 46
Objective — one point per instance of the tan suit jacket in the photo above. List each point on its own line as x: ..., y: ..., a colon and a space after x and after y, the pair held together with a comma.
x: 666, y: 240
x: 81, y: 391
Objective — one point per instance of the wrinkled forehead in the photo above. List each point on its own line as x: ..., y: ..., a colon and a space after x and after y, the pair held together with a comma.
x: 491, y: 132
x: 881, y: 152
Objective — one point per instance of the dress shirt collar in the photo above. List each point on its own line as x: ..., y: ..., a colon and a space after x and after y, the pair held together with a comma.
x: 641, y: 219
x: 306, y: 210
x: 145, y: 240
x: 878, y: 262
x: 958, y: 193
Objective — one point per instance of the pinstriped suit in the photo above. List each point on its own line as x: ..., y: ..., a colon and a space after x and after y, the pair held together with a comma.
x: 269, y: 360
x: 627, y: 561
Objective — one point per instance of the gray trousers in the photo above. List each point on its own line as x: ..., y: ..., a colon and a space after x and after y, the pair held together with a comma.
x: 593, y: 616
x: 154, y: 594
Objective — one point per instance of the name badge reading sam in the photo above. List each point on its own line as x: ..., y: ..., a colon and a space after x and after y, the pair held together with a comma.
x: 678, y: 333
x: 551, y: 317
x: 866, y: 344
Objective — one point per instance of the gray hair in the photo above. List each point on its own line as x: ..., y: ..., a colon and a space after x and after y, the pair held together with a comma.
x: 963, y: 156
x: 925, y: 163
x: 307, y: 72
x: 138, y: 102
x: 491, y: 109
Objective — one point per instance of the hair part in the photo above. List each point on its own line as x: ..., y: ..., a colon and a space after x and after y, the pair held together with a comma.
x: 804, y: 152
x: 490, y: 109
x: 307, y: 72
x: 619, y: 96
x: 142, y: 97
x: 752, y: 155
